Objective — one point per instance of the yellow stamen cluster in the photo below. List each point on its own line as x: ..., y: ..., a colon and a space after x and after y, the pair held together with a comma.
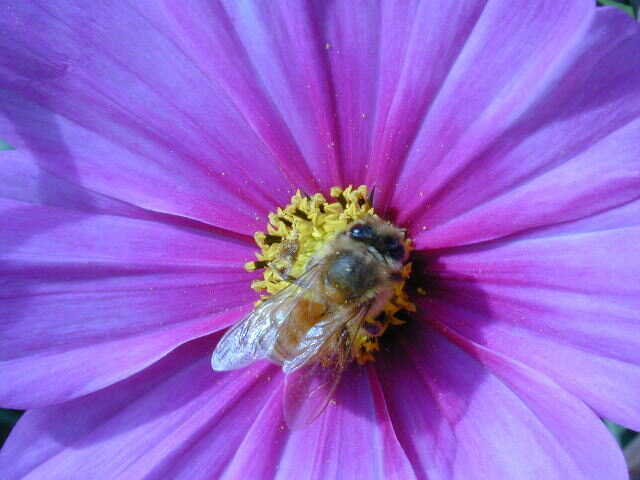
x: 298, y: 230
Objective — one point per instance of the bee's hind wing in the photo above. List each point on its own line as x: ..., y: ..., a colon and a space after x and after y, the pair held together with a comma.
x: 309, y: 384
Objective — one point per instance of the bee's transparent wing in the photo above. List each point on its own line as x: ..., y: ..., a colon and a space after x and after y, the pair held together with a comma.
x: 250, y: 338
x: 309, y: 383
x: 253, y: 337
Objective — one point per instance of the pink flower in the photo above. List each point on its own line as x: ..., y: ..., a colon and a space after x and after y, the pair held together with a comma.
x: 153, y: 138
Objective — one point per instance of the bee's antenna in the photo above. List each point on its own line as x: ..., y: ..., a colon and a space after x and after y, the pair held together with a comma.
x: 371, y: 195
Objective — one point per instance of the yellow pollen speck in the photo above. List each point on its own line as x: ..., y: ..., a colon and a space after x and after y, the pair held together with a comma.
x: 298, y: 230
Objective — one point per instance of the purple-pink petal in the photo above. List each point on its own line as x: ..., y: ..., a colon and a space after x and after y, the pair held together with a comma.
x: 178, y: 420
x: 89, y: 298
x: 507, y: 123
x: 354, y: 438
x: 145, y: 124
x: 435, y: 413
x: 165, y: 422
x: 563, y: 300
x: 604, y: 177
x: 420, y: 43
x: 267, y: 59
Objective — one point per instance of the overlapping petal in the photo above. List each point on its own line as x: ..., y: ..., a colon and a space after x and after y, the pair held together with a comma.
x: 145, y: 124
x: 548, y: 143
x: 457, y: 420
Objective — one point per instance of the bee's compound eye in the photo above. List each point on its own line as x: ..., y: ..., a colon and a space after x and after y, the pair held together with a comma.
x: 362, y: 233
x: 392, y: 247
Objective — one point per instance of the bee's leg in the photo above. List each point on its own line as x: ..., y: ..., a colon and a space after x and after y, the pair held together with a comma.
x: 375, y: 327
x: 286, y: 260
x: 283, y: 271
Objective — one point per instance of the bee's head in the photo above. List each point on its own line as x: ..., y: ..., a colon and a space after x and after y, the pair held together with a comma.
x: 384, y: 237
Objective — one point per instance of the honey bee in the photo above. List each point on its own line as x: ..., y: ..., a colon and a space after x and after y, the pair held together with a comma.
x: 309, y: 327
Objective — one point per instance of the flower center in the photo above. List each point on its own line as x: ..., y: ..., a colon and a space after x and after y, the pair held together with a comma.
x: 309, y: 225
